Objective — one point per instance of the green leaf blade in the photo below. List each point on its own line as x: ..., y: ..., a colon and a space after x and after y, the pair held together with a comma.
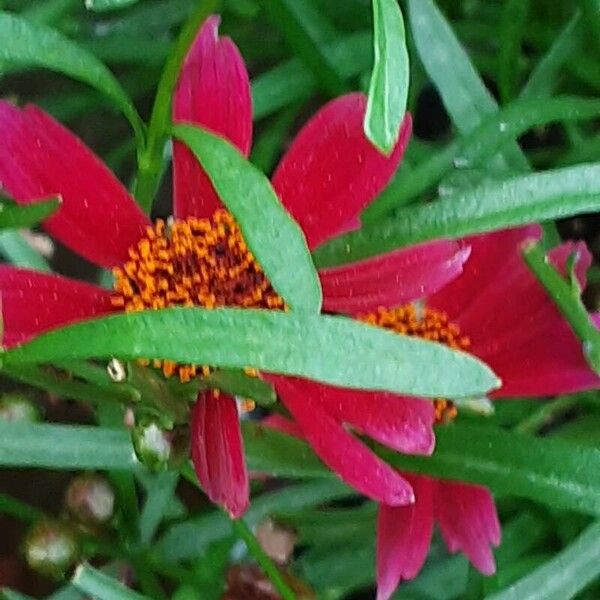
x: 14, y: 216
x: 510, y: 203
x: 102, y: 587
x: 562, y: 577
x: 65, y: 447
x: 272, y: 235
x: 334, y: 350
x: 29, y: 44
x: 388, y: 88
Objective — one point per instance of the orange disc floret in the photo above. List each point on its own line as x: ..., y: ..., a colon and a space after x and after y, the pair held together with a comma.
x: 194, y: 262
x: 429, y: 324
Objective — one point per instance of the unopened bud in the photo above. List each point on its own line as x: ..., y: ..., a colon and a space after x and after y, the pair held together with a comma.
x: 18, y: 408
x: 51, y: 548
x: 152, y: 445
x: 90, y: 500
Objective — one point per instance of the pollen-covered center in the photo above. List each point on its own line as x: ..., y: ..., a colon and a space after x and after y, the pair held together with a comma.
x: 192, y: 262
x: 429, y: 324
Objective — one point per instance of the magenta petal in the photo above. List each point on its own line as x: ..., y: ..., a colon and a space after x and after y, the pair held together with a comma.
x: 491, y: 255
x: 218, y: 453
x: 34, y: 302
x: 469, y: 522
x: 403, y: 538
x: 393, y: 279
x: 213, y: 91
x: 338, y: 449
x: 39, y: 157
x: 332, y: 172
x: 402, y: 423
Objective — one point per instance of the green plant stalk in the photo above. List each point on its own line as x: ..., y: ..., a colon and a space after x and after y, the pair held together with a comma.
x: 19, y: 510
x: 150, y: 159
x: 244, y: 533
x: 567, y: 298
x: 546, y: 414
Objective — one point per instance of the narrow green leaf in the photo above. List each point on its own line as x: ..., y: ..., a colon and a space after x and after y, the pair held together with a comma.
x: 292, y: 81
x: 7, y: 594
x: 272, y: 235
x: 562, y: 577
x: 513, y: 19
x: 567, y: 297
x: 13, y: 216
x: 46, y: 379
x: 302, y: 26
x: 481, y: 143
x: 388, y: 89
x: 237, y: 383
x: 187, y: 540
x: 279, y: 455
x: 332, y: 349
x: 463, y: 92
x: 544, y: 78
x: 101, y: 586
x: 161, y: 490
x: 150, y: 161
x: 29, y: 44
x: 106, y: 5
x: 17, y: 251
x: 548, y: 471
x: 510, y: 203
x: 65, y: 447
x: 19, y: 510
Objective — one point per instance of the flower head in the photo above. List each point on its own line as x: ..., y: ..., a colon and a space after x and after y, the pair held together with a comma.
x: 328, y: 175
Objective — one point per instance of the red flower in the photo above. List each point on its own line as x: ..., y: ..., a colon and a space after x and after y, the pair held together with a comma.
x: 328, y: 175
x: 500, y: 312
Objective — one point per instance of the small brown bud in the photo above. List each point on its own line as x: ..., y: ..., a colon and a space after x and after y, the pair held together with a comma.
x: 51, y: 548
x: 90, y: 500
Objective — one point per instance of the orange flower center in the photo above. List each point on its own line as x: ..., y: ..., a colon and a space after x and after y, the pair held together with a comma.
x: 429, y: 324
x: 195, y: 262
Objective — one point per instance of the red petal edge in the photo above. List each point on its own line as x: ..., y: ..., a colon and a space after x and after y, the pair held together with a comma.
x: 213, y: 91
x: 98, y: 218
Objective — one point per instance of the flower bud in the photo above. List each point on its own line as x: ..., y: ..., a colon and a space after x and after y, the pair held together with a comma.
x: 152, y: 445
x: 159, y: 448
x: 90, y: 500
x: 51, y: 548
x: 18, y: 408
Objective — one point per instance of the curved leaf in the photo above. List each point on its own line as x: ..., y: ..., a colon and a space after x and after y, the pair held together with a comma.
x: 388, y: 89
x: 29, y: 44
x: 334, y: 350
x: 272, y: 235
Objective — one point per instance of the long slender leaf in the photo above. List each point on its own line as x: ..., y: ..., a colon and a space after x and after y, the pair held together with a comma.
x: 102, y: 587
x: 482, y: 142
x: 160, y: 492
x: 13, y: 216
x: 463, y: 92
x: 543, y: 79
x: 562, y: 577
x: 334, y: 350
x: 105, y: 5
x: 510, y: 203
x: 272, y: 235
x: 388, y: 89
x: 65, y: 447
x: 189, y: 539
x: 302, y: 28
x: 512, y: 27
x: 292, y: 81
x: 29, y: 44
x: 548, y: 471
x: 567, y: 297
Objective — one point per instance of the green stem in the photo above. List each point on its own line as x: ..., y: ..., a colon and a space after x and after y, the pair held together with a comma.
x: 150, y: 160
x: 15, y: 508
x: 567, y: 297
x: 546, y: 414
x: 267, y: 565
